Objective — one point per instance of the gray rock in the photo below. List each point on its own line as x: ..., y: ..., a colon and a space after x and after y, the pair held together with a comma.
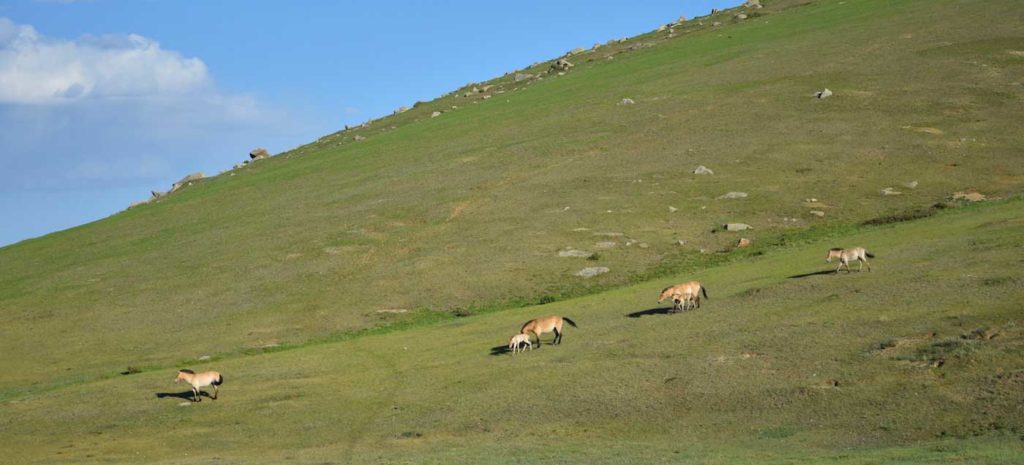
x: 192, y: 177
x: 259, y: 153
x: 605, y: 245
x: 890, y: 191
x: 740, y: 16
x: 592, y: 271
x: 523, y: 76
x: 575, y: 253
x: 702, y: 170
x: 561, y: 64
x: 736, y: 227
x: 824, y: 94
x: 626, y: 101
x: 672, y: 209
x: 716, y: 24
x: 818, y: 213
x: 733, y: 195
x: 575, y: 51
x: 910, y: 185
x: 435, y: 114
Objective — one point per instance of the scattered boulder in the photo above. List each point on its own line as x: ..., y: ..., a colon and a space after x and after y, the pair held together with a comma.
x: 682, y: 19
x: 358, y: 138
x: 238, y: 166
x: 736, y: 226
x: 592, y: 271
x: 733, y: 195
x: 663, y: 28
x: 259, y: 153
x: 626, y: 101
x: 818, y: 213
x: 752, y: 4
x: 740, y: 16
x: 743, y: 243
x: 823, y: 94
x: 968, y: 196
x: 672, y: 209
x: 575, y: 253
x: 435, y: 114
x: 401, y: 110
x: 716, y: 24
x: 575, y: 51
x: 702, y: 170
x: 561, y: 64
x: 605, y: 245
x: 523, y: 76
x: 890, y: 191
x: 910, y: 185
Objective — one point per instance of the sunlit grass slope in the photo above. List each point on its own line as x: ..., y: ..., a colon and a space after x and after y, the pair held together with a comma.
x: 468, y: 211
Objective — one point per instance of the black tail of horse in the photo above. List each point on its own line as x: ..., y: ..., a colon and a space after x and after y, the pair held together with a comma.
x: 220, y: 380
x: 704, y: 290
x: 869, y: 254
x: 573, y: 323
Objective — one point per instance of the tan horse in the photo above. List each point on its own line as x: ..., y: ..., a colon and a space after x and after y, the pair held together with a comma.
x: 200, y: 380
x: 517, y: 342
x: 845, y: 255
x: 546, y: 325
x: 684, y: 296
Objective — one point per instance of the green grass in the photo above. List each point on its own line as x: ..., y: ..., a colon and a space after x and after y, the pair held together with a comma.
x: 782, y: 365
x: 279, y: 272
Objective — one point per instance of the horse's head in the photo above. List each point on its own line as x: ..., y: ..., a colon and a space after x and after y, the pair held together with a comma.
x: 183, y: 375
x: 665, y: 293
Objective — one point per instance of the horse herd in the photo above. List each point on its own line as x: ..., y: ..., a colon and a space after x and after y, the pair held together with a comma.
x: 684, y: 296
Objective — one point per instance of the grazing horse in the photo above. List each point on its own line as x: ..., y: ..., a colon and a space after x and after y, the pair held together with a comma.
x: 845, y: 255
x: 517, y: 341
x: 200, y: 380
x: 684, y: 296
x: 546, y: 325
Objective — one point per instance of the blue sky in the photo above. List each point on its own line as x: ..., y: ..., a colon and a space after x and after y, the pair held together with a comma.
x: 102, y: 101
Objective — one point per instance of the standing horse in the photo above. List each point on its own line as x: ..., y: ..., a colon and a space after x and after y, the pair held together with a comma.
x: 684, y: 296
x: 200, y: 380
x: 845, y: 255
x: 546, y: 325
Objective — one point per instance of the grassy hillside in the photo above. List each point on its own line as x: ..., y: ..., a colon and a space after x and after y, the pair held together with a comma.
x: 918, y: 361
x: 469, y: 210
x: 427, y: 220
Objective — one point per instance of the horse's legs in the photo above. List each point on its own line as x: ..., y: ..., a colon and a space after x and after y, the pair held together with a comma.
x: 558, y: 337
x: 195, y: 395
x: 215, y: 392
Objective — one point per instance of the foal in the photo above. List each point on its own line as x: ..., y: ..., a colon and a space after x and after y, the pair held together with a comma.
x: 517, y: 342
x: 200, y: 380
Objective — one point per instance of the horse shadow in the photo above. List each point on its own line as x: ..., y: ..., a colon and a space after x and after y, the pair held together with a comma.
x: 816, y: 273
x: 502, y: 350
x: 652, y: 311
x: 187, y: 395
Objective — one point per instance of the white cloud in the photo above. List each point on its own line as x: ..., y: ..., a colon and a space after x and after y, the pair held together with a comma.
x: 38, y: 70
x: 118, y: 113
